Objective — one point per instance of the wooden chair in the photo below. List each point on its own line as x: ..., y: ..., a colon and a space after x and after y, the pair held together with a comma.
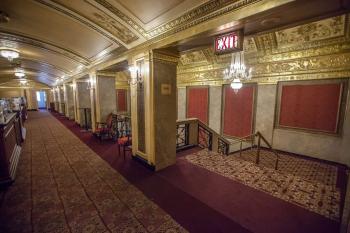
x: 105, y: 130
x: 124, y: 144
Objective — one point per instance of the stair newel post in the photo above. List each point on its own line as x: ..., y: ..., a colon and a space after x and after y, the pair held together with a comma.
x: 258, y: 151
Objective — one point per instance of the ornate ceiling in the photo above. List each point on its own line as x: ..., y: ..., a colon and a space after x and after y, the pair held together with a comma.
x: 61, y: 38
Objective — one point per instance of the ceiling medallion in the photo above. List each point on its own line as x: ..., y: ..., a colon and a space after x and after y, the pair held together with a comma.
x: 9, y: 54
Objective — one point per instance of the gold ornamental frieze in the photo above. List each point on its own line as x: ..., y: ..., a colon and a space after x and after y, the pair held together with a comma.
x: 164, y: 58
x: 311, y: 52
x: 317, y: 64
x: 317, y: 50
x: 320, y: 30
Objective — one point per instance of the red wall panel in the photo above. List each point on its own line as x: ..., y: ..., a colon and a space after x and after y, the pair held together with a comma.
x: 121, y: 100
x: 312, y: 107
x: 238, y: 111
x: 198, y: 103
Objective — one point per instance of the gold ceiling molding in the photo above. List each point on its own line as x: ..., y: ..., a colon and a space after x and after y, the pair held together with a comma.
x: 165, y: 58
x: 325, y: 54
x: 117, y: 29
x: 123, y: 17
x: 200, y: 14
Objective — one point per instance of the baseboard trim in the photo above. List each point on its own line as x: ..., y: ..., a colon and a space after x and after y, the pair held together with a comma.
x: 143, y: 162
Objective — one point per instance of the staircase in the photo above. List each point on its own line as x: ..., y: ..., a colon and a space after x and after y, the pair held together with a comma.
x: 192, y: 132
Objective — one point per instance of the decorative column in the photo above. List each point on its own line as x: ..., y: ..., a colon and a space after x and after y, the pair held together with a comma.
x: 153, y: 108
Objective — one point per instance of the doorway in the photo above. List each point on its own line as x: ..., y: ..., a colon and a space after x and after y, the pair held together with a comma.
x: 41, y: 99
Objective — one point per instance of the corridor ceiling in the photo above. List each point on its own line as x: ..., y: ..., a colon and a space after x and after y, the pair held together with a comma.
x: 60, y: 38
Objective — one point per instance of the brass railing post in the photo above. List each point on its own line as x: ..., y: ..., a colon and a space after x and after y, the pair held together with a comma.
x: 258, y: 151
x: 240, y: 149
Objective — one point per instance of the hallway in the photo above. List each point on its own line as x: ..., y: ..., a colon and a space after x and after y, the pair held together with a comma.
x: 63, y: 186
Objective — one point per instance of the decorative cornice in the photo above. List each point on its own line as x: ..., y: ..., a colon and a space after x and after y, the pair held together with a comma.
x: 200, y: 14
x: 165, y: 58
x: 123, y: 17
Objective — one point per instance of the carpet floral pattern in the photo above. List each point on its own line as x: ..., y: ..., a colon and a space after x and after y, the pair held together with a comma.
x: 305, y: 169
x: 301, y: 190
x: 63, y: 186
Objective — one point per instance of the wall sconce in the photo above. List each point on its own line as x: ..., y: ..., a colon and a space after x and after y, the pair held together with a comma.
x: 138, y: 79
x: 91, y: 84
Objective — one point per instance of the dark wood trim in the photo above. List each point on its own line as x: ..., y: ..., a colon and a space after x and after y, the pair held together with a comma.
x: 144, y: 162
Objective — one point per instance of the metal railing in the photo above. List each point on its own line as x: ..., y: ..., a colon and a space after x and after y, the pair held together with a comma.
x: 191, y: 132
x: 251, y: 140
x: 182, y: 135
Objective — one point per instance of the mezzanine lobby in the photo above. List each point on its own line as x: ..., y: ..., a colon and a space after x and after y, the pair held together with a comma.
x: 174, y: 116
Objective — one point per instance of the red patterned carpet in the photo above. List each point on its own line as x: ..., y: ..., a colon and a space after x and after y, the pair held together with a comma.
x: 196, y: 198
x: 63, y: 186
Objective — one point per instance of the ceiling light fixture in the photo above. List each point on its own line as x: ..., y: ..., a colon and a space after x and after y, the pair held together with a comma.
x: 9, y: 54
x: 23, y: 81
x: 19, y: 73
x: 237, y: 71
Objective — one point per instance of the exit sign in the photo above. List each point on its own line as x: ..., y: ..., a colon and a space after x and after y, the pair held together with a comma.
x: 228, y: 42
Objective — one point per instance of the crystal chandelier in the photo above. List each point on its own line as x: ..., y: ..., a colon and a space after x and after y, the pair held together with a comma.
x: 237, y: 72
x: 9, y: 54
